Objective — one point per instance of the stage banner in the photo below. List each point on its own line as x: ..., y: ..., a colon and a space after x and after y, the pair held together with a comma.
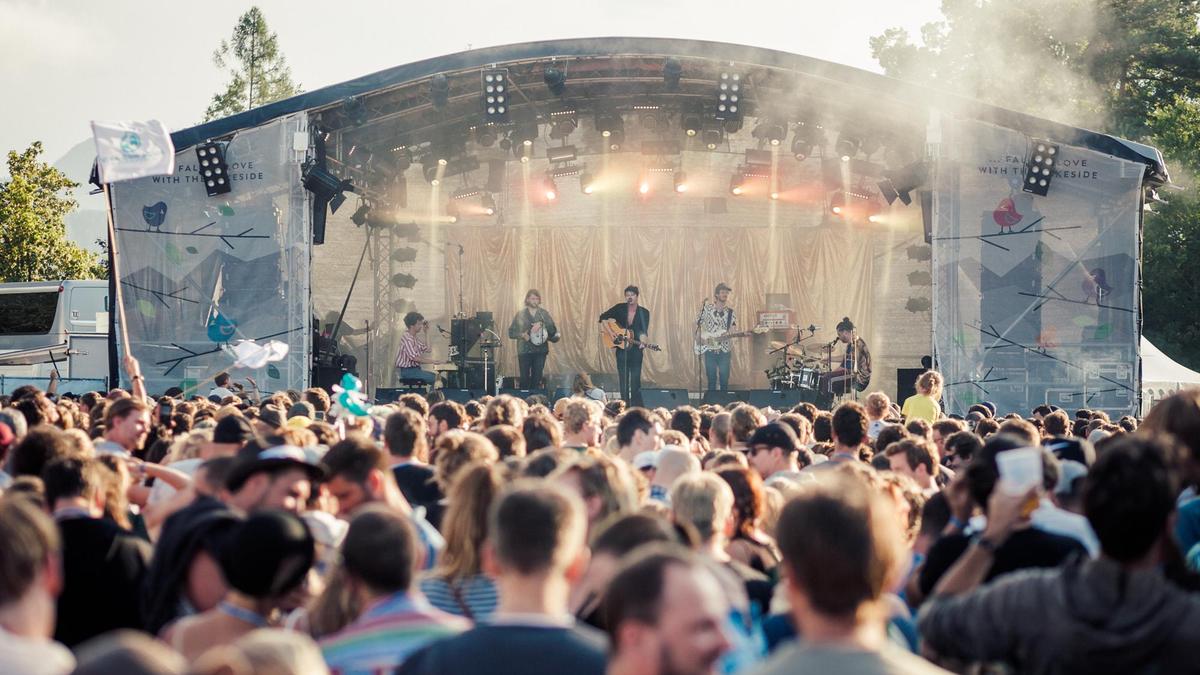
x: 1035, y: 297
x: 200, y: 273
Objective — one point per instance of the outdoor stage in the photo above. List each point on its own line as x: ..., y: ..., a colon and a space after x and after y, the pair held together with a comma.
x: 794, y: 202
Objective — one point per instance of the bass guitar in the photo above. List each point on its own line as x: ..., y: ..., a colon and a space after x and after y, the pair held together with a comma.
x: 711, y: 342
x: 615, y: 337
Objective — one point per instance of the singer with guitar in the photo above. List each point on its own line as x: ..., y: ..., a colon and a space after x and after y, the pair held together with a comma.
x: 533, y: 328
x: 714, y: 327
x: 625, y: 327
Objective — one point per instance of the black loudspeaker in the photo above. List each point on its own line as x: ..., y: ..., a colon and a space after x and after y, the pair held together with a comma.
x: 664, y: 398
x: 784, y: 399
x: 605, y: 381
x: 726, y: 397
x: 906, y: 383
x: 462, y: 395
x: 393, y: 394
x: 522, y: 394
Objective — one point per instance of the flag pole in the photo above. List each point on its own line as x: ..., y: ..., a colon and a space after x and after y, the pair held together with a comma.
x: 114, y: 271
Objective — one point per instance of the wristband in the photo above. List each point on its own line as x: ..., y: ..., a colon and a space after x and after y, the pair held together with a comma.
x: 987, y: 544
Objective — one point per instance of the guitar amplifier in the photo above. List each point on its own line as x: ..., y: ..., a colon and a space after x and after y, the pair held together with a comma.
x: 776, y: 319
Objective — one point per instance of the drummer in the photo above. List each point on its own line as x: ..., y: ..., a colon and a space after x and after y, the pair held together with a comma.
x: 533, y: 328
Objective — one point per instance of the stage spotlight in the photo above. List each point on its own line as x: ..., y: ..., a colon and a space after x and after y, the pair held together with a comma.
x: 485, y: 135
x: 900, y: 184
x: 587, y: 184
x: 644, y: 185
x: 549, y: 189
x: 402, y: 156
x: 562, y: 127
x: 495, y: 95
x: 355, y: 110
x: 403, y: 280
x: 612, y: 128
x: 1039, y: 170
x: 713, y: 138
x: 555, y: 79
x: 672, y: 73
x: 804, y: 140
x: 325, y: 186
x: 213, y: 168
x: 737, y: 184
x: 774, y: 194
x: 770, y: 132
x: 837, y: 205
x: 729, y: 96
x: 522, y: 152
x: 439, y: 90
x: 692, y: 122
x: 848, y: 145
x: 359, y: 217
x: 681, y: 185
x: 404, y: 255
x: 488, y: 204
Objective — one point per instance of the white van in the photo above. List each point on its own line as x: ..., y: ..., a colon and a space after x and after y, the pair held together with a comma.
x: 37, y: 320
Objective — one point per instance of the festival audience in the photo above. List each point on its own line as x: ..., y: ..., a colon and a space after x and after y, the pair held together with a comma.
x: 236, y: 531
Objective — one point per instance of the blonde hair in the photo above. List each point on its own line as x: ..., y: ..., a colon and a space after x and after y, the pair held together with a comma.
x: 704, y: 501
x: 930, y: 384
x: 188, y: 446
x: 465, y: 524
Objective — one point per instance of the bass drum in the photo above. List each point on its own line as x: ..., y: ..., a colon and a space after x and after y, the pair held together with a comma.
x: 807, y: 378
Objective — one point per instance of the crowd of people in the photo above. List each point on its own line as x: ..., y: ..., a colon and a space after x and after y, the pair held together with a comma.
x: 244, y: 533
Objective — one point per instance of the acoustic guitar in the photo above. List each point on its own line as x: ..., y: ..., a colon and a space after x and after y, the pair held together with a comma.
x: 615, y: 337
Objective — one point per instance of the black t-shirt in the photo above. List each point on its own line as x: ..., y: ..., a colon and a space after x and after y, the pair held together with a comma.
x: 1023, y: 549
x: 419, y: 488
x: 513, y: 649
x: 103, y: 567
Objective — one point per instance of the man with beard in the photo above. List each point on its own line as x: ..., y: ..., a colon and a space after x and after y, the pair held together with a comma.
x: 665, y: 615
x: 533, y: 328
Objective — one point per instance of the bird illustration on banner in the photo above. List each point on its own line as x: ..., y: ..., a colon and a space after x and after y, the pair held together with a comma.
x: 155, y: 215
x: 1006, y: 214
x: 220, y: 327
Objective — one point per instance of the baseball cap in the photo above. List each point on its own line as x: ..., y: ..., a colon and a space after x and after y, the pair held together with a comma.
x: 774, y: 435
x: 596, y: 394
x: 253, y: 459
x: 722, y: 287
x: 302, y: 409
x: 233, y: 429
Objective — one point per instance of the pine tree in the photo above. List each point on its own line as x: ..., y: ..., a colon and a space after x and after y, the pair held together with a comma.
x: 259, y: 74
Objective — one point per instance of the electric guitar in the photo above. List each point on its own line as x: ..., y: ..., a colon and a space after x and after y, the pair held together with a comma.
x: 711, y: 342
x: 615, y: 337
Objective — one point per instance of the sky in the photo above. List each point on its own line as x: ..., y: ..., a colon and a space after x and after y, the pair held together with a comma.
x: 66, y: 62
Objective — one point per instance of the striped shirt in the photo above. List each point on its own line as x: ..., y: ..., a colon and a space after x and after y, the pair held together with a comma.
x: 386, y: 634
x: 477, y: 593
x: 411, y: 349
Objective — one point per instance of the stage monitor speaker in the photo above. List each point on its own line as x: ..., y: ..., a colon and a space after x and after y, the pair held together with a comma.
x: 393, y: 394
x: 522, y: 394
x: 906, y: 383
x: 462, y: 395
x: 726, y: 397
x: 781, y: 399
x: 664, y: 398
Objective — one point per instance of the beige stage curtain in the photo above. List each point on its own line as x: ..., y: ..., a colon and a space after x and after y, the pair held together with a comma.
x: 582, y: 271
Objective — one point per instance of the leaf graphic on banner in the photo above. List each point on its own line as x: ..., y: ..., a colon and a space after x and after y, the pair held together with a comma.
x: 226, y: 210
x: 273, y: 372
x: 192, y: 249
x: 173, y: 253
x: 147, y: 309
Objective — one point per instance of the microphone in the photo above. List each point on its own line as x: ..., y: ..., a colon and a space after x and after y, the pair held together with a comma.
x: 441, y: 330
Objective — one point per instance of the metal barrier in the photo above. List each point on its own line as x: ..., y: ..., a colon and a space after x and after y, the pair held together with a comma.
x: 73, y: 385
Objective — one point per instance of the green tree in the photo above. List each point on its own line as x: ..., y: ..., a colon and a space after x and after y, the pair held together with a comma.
x: 34, y: 204
x: 258, y: 72
x: 1126, y: 67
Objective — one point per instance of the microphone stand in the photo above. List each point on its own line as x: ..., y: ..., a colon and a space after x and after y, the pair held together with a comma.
x: 484, y: 349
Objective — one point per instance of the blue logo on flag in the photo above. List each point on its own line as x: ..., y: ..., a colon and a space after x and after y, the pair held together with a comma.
x: 131, y: 144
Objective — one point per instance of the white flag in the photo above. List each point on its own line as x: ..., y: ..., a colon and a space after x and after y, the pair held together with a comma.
x: 126, y: 150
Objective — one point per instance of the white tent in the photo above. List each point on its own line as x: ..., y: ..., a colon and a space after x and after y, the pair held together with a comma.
x: 1161, y: 375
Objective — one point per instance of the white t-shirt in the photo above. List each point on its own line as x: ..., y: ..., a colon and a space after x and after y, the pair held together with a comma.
x: 31, y: 656
x: 106, y: 447
x: 162, y: 491
x: 221, y: 392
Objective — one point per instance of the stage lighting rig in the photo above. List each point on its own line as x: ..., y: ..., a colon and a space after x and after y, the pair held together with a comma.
x: 692, y: 121
x: 485, y: 135
x: 737, y: 184
x: 359, y: 217
x: 439, y: 90
x: 899, y: 184
x: 1039, y: 169
x: 213, y: 169
x: 672, y: 73
x: 562, y: 124
x: 555, y: 79
x: 549, y: 189
x: 729, y: 96
x: 770, y: 132
x: 495, y: 95
x: 325, y: 186
x: 587, y: 183
x: 488, y: 204
x: 806, y: 136
x: 611, y: 126
x: 404, y: 254
x: 712, y: 138
x: 355, y: 110
x: 680, y: 180
x: 560, y: 153
x: 848, y: 145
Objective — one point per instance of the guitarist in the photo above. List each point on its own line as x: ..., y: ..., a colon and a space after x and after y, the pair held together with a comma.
x: 533, y: 329
x: 636, y: 319
x: 717, y: 318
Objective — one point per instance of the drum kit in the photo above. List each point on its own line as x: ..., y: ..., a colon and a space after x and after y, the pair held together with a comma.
x: 798, y: 363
